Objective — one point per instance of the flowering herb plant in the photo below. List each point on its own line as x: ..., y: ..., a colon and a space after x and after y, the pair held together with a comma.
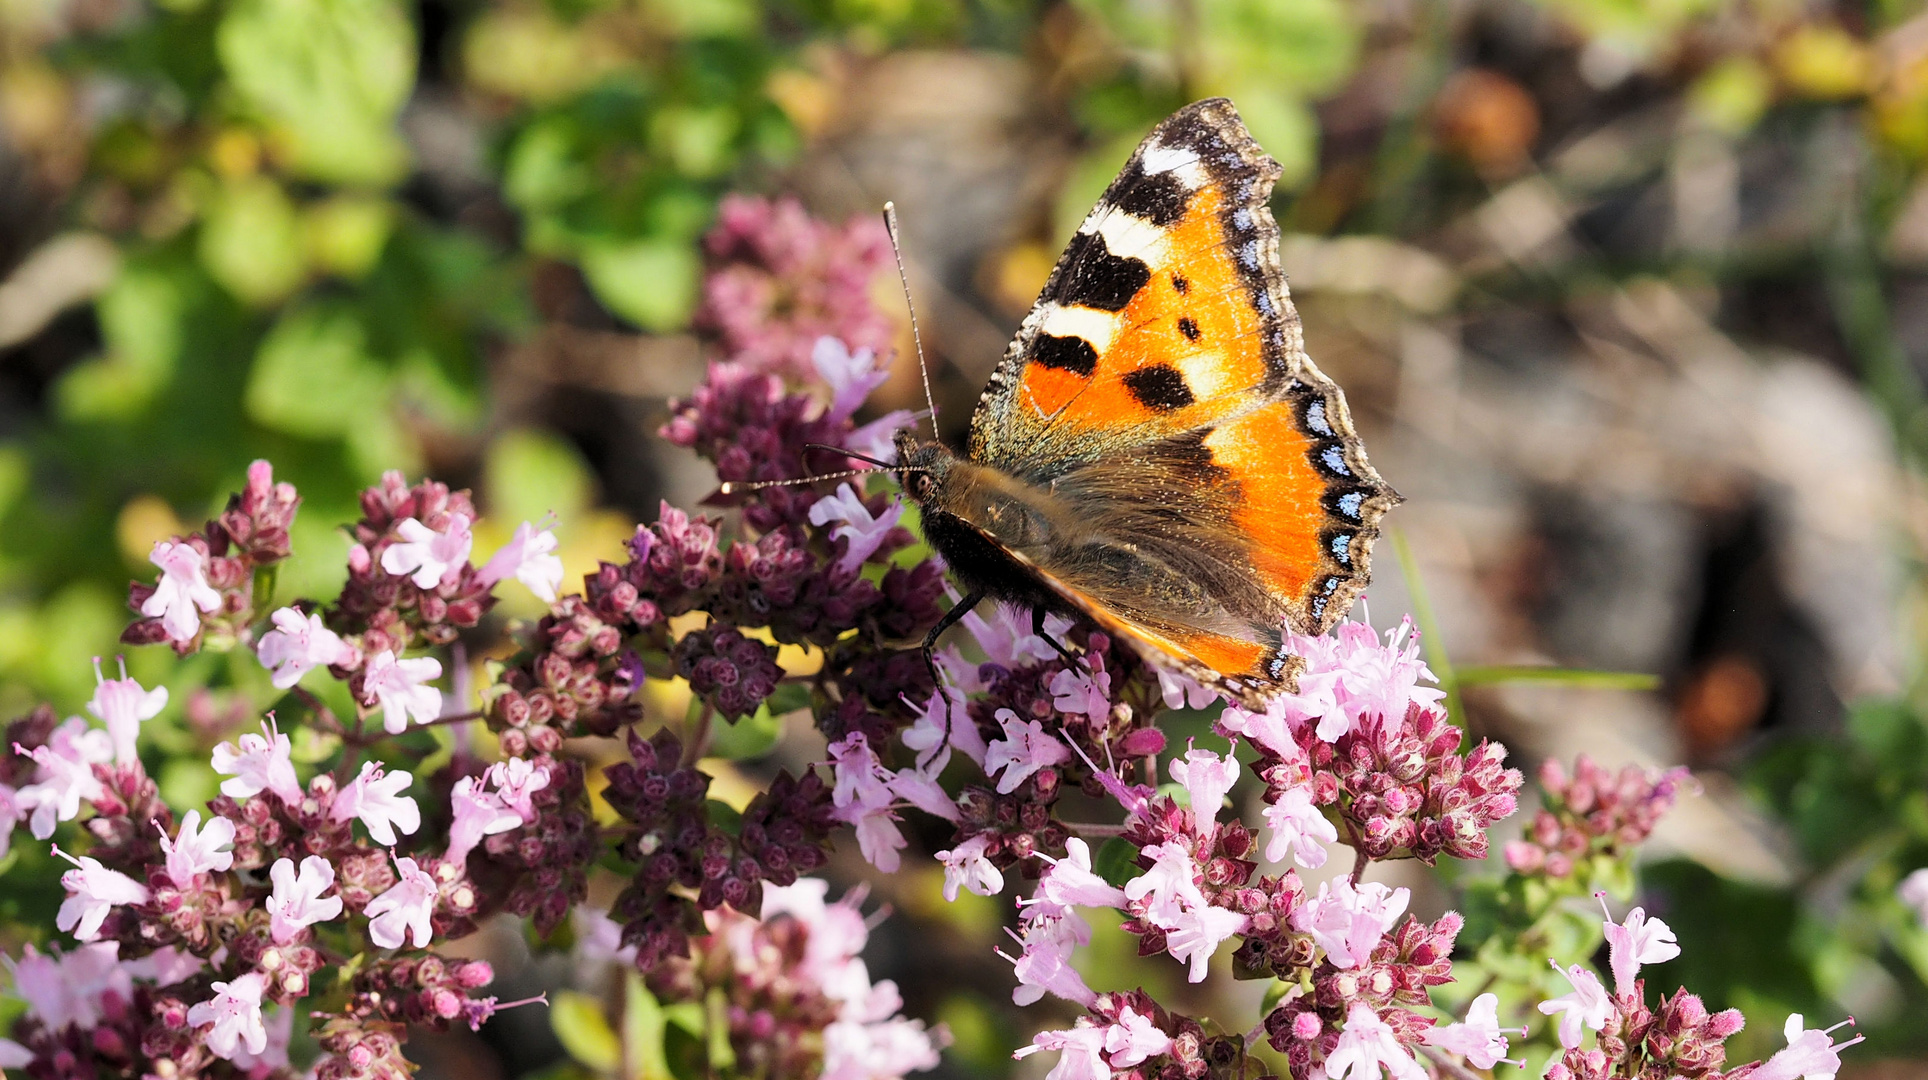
x: 198, y: 939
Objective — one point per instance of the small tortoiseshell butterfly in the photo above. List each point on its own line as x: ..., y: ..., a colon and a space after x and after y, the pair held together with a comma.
x: 1156, y: 453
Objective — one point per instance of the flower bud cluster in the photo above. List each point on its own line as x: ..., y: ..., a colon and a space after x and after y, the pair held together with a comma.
x: 390, y: 603
x: 575, y: 678
x: 1402, y: 788
x: 779, y: 280
x: 418, y: 989
x: 733, y: 674
x: 206, y: 590
x: 359, y: 1048
x: 546, y: 862
x: 755, y: 429
x: 1394, y: 983
x: 671, y: 565
x: 1592, y: 812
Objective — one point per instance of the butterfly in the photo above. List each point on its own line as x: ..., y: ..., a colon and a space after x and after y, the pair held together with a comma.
x: 1156, y: 453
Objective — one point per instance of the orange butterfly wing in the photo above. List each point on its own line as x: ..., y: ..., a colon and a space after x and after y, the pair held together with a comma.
x: 1161, y: 388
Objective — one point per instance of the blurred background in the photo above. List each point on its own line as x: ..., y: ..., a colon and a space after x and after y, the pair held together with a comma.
x: 1630, y: 298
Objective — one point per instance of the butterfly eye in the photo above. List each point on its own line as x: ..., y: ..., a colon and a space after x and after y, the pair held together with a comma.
x: 921, y: 485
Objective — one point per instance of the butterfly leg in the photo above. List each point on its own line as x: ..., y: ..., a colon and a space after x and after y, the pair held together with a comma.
x: 1037, y: 628
x: 945, y: 622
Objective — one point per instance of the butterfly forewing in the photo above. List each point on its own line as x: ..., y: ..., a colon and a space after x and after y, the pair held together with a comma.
x: 1160, y: 387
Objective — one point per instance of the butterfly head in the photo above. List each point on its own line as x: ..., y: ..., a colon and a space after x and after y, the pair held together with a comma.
x: 922, y: 467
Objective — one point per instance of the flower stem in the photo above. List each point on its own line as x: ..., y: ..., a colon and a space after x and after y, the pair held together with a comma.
x: 1092, y: 828
x: 1448, y: 1065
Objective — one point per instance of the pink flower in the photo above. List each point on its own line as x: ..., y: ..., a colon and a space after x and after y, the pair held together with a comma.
x: 1479, y: 1039
x: 1348, y: 921
x: 878, y: 439
x: 1181, y: 691
x: 264, y: 762
x: 1350, y: 676
x: 164, y: 966
x: 182, y: 590
x: 478, y: 813
x: 193, y: 851
x: 864, y: 533
x: 1081, y: 1052
x: 1169, y: 887
x: 1367, y: 1046
x: 1044, y: 964
x: 93, y: 891
x: 965, y: 866
x: 12, y: 811
x: 944, y: 715
x: 919, y: 787
x: 122, y: 705
x: 297, y: 644
x: 1133, y: 1039
x: 426, y: 556
x: 1007, y: 641
x: 376, y: 798
x: 529, y: 557
x: 1299, y: 827
x: 862, y: 798
x: 297, y: 901
x: 1274, y: 728
x: 878, y: 837
x: 517, y: 780
x: 1081, y: 693
x: 68, y: 989
x: 877, y: 1050
x: 851, y: 375
x: 235, y: 1012
x: 1198, y: 932
x: 280, y: 1023
x: 1639, y: 941
x: 405, y: 907
x: 399, y: 688
x: 65, y: 777
x: 1810, y: 1054
x: 1207, y: 778
x: 14, y: 1056
x: 1914, y: 893
x: 1588, y: 1004
x: 1024, y: 750
x: 1070, y: 881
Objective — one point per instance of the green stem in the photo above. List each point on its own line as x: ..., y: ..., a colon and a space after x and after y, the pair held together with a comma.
x: 1429, y: 636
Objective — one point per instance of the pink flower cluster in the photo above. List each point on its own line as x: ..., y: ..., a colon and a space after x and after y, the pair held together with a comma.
x: 799, y: 1000
x: 1592, y: 812
x: 780, y: 281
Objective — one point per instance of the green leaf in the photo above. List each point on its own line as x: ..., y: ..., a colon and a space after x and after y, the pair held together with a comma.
x: 717, y: 1028
x: 643, y: 1032
x: 577, y: 1019
x: 789, y: 698
x: 346, y: 234
x: 1116, y: 861
x: 534, y: 473
x: 722, y: 814
x: 331, y: 76
x: 251, y: 241
x: 140, y: 319
x: 752, y: 736
x: 313, y: 375
x: 652, y: 283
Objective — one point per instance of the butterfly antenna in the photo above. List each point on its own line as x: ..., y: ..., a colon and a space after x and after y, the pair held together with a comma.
x: 903, y: 278
x: 731, y: 487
